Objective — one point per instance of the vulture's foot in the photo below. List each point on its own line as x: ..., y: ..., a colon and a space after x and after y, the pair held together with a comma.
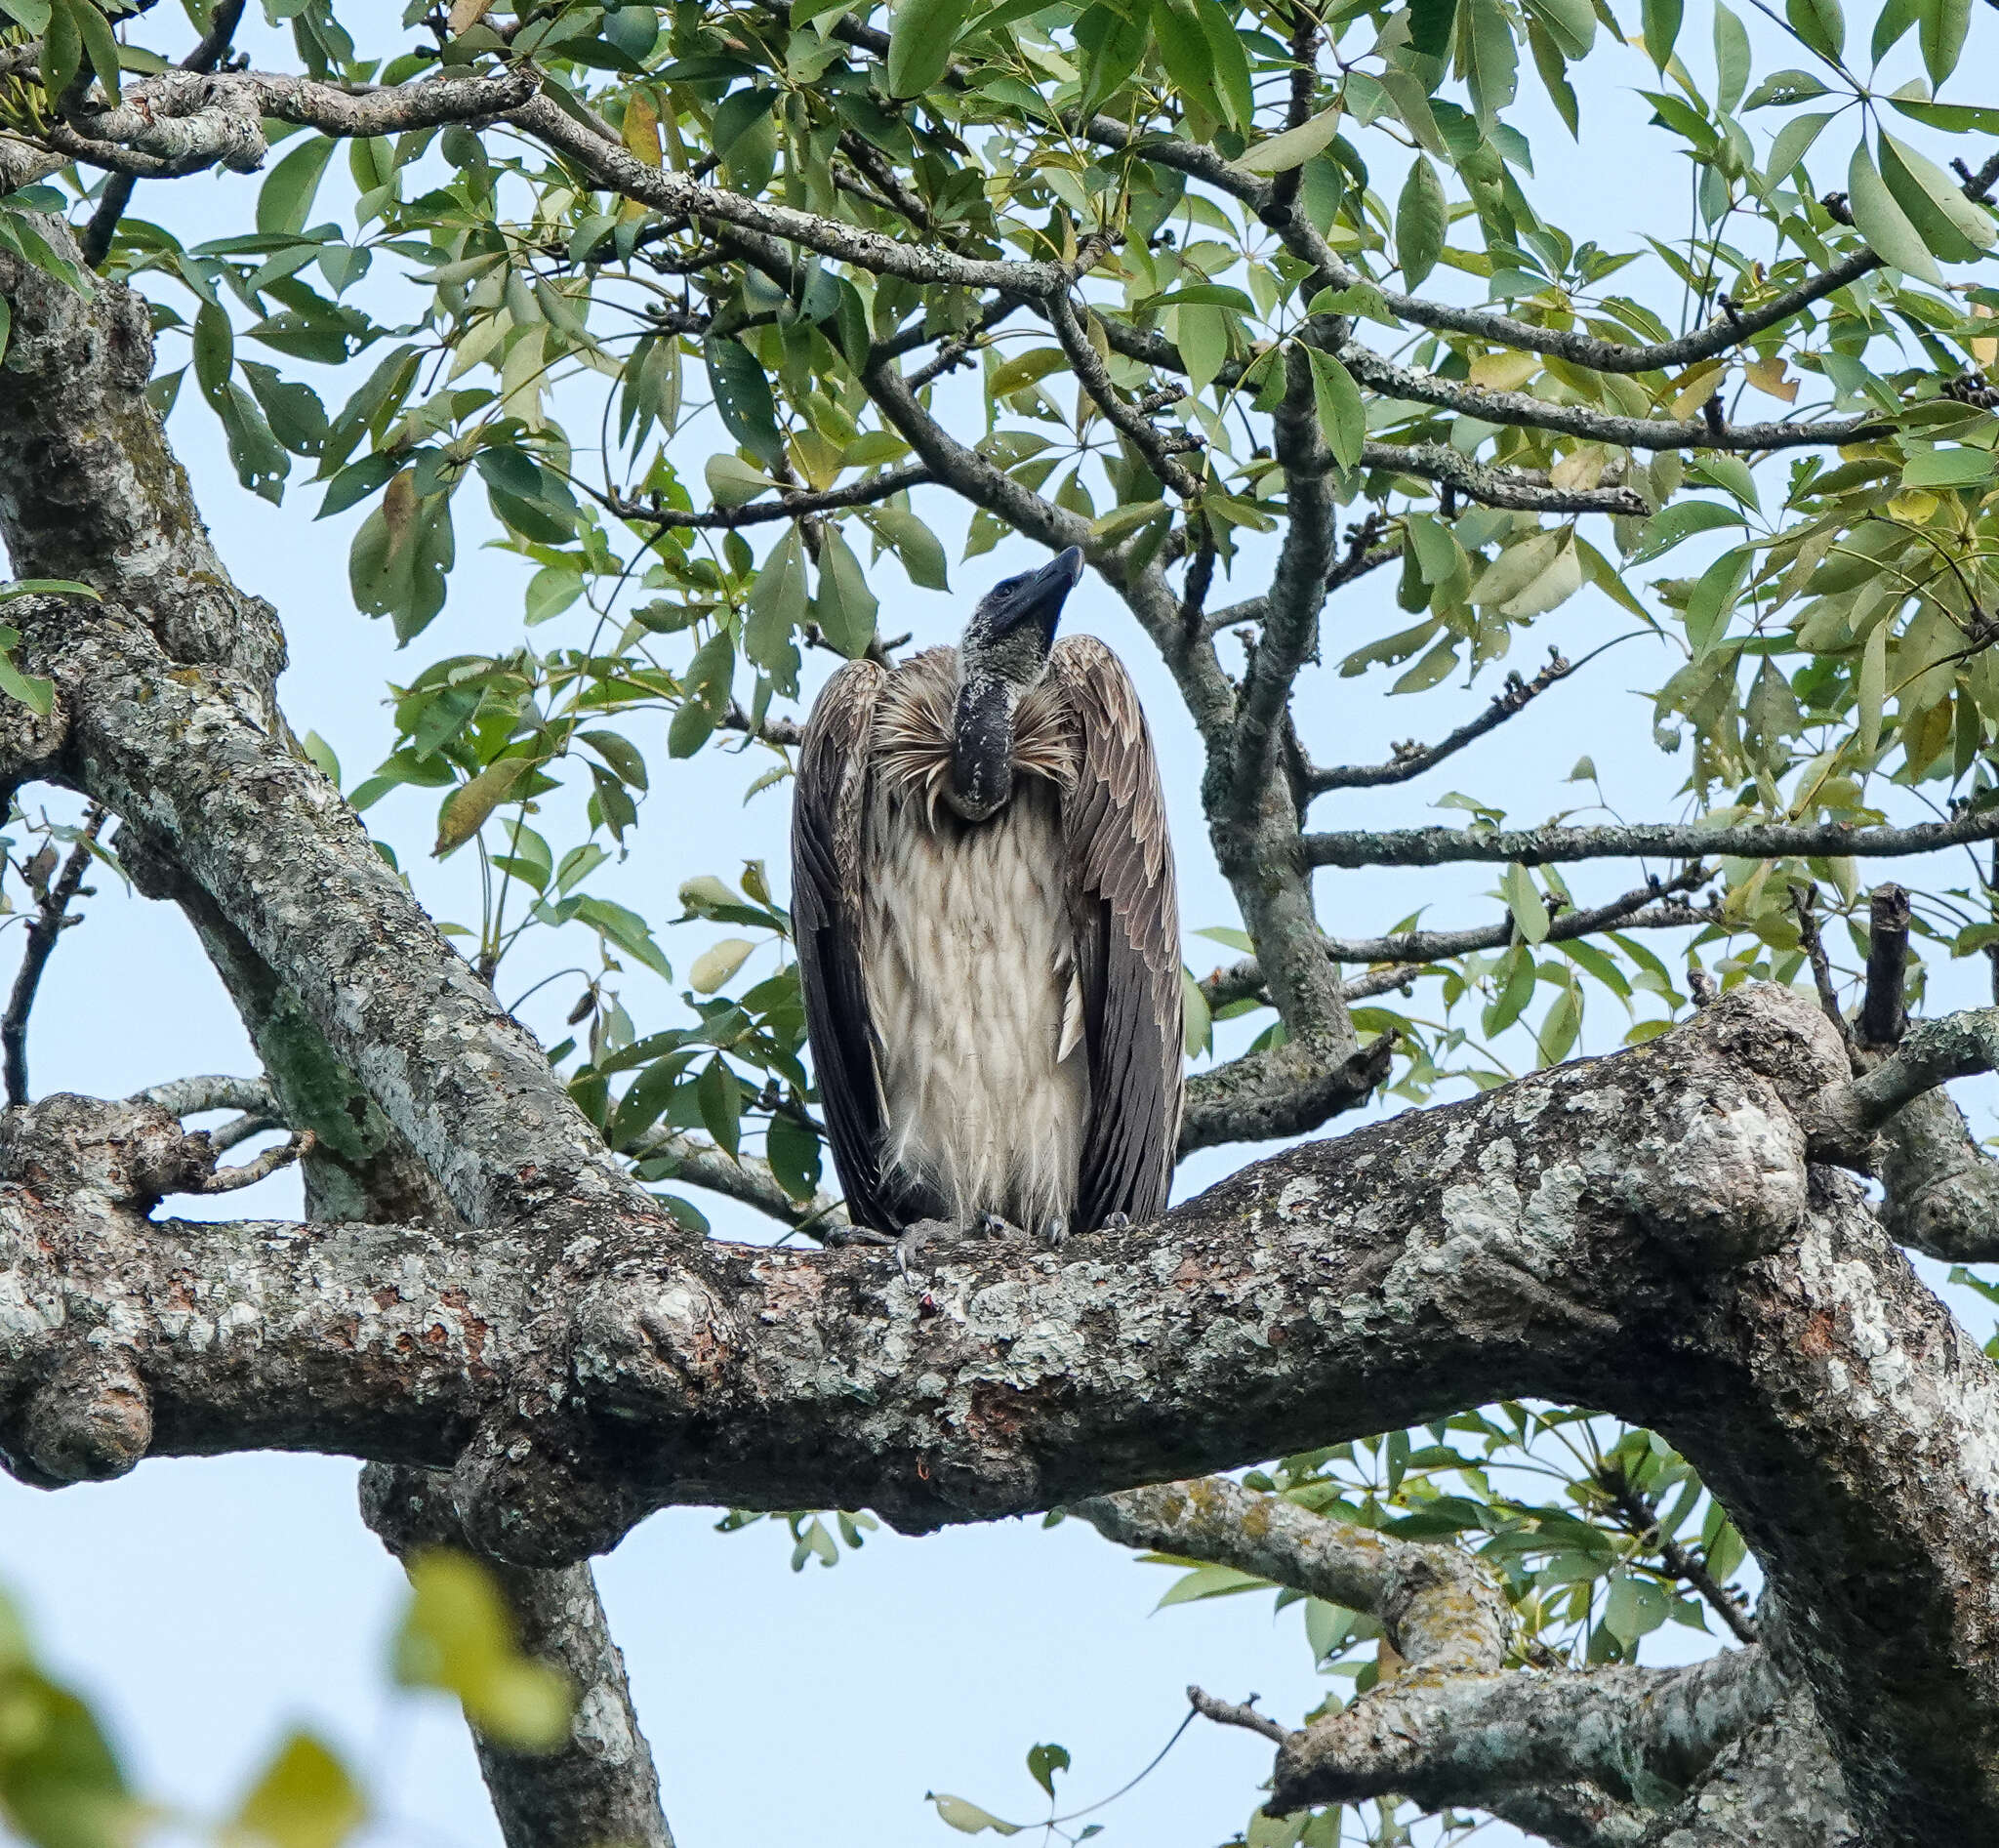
x: 1055, y: 1234
x: 835, y: 1237
x: 1117, y: 1222
x: 915, y: 1236
x: 991, y: 1225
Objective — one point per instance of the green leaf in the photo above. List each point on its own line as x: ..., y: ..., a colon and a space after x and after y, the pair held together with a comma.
x: 1731, y: 57
x: 921, y: 38
x: 719, y: 1098
x: 47, y: 586
x: 30, y: 689
x: 1202, y: 333
x: 1571, y: 23
x: 1422, y: 215
x: 1293, y: 148
x: 1963, y: 467
x: 1871, y: 691
x: 742, y: 398
x: 61, y: 49
x: 1940, y: 29
x: 1197, y: 1021
x: 1342, y: 415
x: 284, y: 202
x: 1662, y: 27
x: 1950, y: 225
x: 844, y: 609
x: 1792, y: 144
x: 304, y: 1798
x: 1682, y: 520
x: 1044, y: 1761
x: 1523, y: 900
x: 1820, y: 24
x: 915, y: 545
x: 1884, y: 223
x: 1634, y: 1607
x: 1432, y: 26
x: 100, y: 46
x: 778, y: 605
x: 793, y: 1152
x: 214, y: 349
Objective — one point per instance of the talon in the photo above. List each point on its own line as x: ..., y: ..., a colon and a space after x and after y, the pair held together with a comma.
x: 991, y: 1225
x: 1055, y: 1233
x: 1117, y: 1222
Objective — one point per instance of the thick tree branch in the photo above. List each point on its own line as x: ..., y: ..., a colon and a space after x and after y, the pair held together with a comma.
x: 1440, y: 1610
x: 1638, y: 1232
x: 1940, y: 1189
x: 1524, y: 410
x: 1498, y: 487
x: 599, y: 1786
x: 1552, y: 847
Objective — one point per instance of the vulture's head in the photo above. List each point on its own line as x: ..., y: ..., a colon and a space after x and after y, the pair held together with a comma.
x: 1013, y: 627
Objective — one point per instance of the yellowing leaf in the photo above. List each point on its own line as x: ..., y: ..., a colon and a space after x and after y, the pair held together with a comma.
x: 717, y: 962
x: 466, y: 13
x: 1768, y: 376
x: 1504, y: 371
x: 304, y: 1798
x: 1871, y: 691
x: 642, y: 129
x: 466, y: 807
x: 458, y: 1636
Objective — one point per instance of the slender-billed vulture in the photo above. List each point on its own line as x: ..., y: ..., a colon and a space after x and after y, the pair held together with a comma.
x: 987, y: 929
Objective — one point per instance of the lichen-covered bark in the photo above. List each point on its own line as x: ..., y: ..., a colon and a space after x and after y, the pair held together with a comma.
x: 599, y: 1787
x: 1639, y: 1232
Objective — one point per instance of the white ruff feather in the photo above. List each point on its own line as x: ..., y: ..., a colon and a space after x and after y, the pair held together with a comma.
x: 972, y: 994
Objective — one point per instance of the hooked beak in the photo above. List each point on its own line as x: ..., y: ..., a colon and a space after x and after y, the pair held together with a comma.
x: 1041, y: 596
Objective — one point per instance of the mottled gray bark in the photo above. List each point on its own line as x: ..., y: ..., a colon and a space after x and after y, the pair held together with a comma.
x: 1940, y: 1189
x: 596, y: 1790
x: 1640, y: 1232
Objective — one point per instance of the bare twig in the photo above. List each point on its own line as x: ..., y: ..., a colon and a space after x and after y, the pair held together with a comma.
x: 788, y: 506
x: 51, y: 919
x: 1238, y: 1714
x: 1804, y: 902
x: 1641, y: 1520
x: 1412, y: 760
x: 1409, y: 950
x: 227, y: 1181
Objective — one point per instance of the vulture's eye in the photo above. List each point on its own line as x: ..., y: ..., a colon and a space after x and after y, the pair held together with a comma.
x: 1007, y: 585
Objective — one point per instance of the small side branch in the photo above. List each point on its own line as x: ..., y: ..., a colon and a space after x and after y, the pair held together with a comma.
x: 1092, y: 378
x: 1234, y: 1713
x: 1642, y: 1522
x: 1412, y: 760
x: 790, y: 506
x: 52, y: 918
x: 1409, y: 950
x: 1518, y: 490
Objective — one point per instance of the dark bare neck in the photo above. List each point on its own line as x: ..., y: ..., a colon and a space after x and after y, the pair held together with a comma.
x: 982, y: 749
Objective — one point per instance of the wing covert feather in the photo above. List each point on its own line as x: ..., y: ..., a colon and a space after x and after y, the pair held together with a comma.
x: 1126, y: 913
x: 825, y: 827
